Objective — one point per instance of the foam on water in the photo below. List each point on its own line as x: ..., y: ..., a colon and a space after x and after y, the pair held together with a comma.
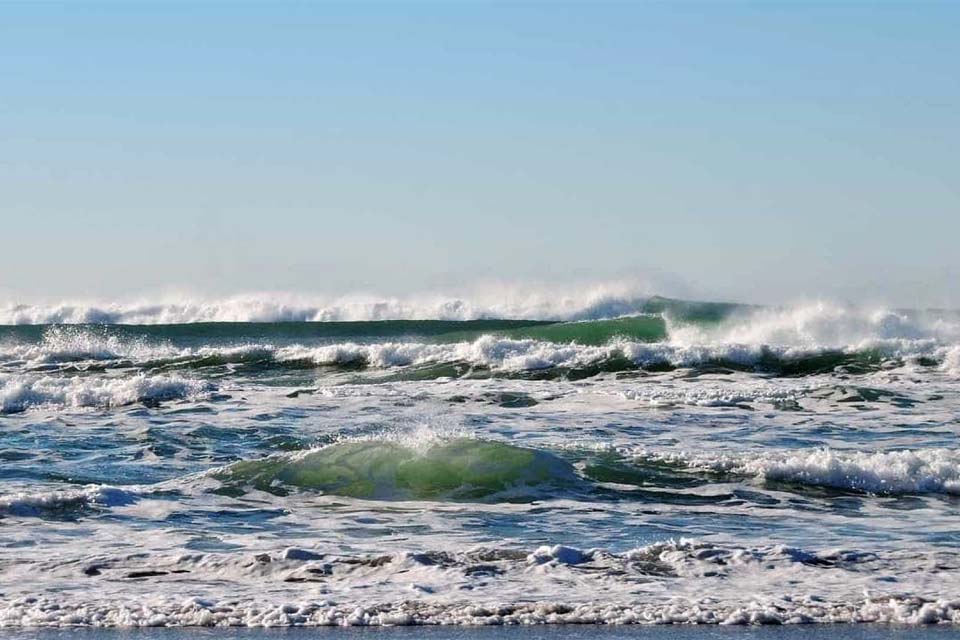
x: 493, y: 353
x: 883, y: 472
x: 23, y: 392
x: 820, y: 325
x: 819, y: 336
x: 24, y: 503
x: 673, y: 582
x: 592, y: 302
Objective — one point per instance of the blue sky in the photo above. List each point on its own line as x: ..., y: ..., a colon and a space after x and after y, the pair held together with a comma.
x: 754, y: 151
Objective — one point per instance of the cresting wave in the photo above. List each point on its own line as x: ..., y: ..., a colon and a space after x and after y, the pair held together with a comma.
x: 437, y: 468
x: 390, y: 469
x: 662, y: 332
x: 59, y: 501
x: 88, y: 350
x: 881, y: 473
x: 605, y: 301
x: 465, y: 469
x: 19, y: 393
x: 507, y: 355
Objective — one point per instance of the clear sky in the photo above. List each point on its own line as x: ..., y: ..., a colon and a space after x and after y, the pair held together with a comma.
x: 753, y: 151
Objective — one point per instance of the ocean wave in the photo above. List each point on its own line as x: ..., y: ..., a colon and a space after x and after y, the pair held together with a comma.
x: 594, y: 302
x: 819, y: 326
x: 25, y: 503
x: 66, y: 344
x: 486, y: 351
x: 494, y: 353
x: 519, y: 355
x: 463, y: 468
x: 391, y: 469
x: 19, y: 393
x: 883, y: 473
x: 808, y: 393
x: 803, y: 341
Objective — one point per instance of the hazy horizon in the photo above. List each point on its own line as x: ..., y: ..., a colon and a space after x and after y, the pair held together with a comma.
x: 763, y: 153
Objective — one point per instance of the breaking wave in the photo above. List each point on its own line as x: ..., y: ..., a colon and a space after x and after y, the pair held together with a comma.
x: 882, y: 473
x: 19, y: 393
x: 489, y: 354
x: 662, y: 333
x: 60, y: 501
x: 455, y: 469
x: 606, y: 301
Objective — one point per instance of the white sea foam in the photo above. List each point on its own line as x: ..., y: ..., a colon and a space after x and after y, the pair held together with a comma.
x: 822, y: 325
x: 204, y: 612
x: 723, y: 394
x: 951, y: 360
x: 662, y: 583
x: 503, y: 354
x: 746, y: 338
x: 24, y: 503
x: 487, y: 351
x: 891, y: 472
x: 63, y: 344
x: 528, y: 355
x: 28, y: 391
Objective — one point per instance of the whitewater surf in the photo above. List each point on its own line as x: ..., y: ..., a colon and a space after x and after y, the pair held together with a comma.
x: 608, y: 458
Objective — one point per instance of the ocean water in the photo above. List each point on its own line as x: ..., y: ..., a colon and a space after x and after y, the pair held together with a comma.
x: 258, y: 462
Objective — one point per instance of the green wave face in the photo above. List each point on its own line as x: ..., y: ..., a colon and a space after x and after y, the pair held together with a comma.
x: 692, y: 312
x: 588, y: 332
x: 207, y: 333
x: 651, y: 326
x: 648, y: 326
x: 459, y: 469
x: 596, y: 332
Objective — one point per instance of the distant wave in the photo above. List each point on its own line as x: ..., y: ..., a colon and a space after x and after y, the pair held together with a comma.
x: 590, y: 303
